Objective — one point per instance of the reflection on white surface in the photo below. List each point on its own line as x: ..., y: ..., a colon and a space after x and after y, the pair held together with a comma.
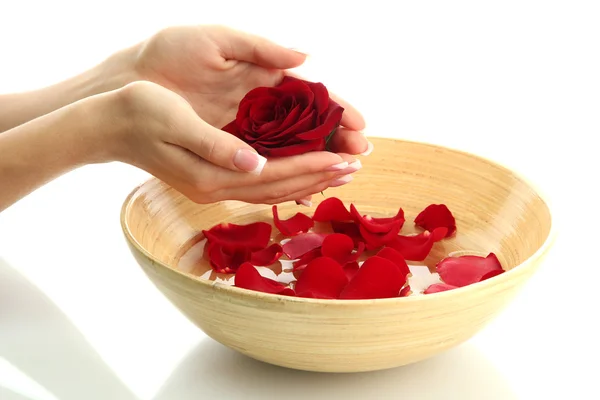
x: 15, y: 385
x: 45, y: 347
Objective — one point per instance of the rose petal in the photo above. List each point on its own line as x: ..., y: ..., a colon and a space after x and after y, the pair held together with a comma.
x: 224, y: 260
x: 351, y: 269
x: 435, y: 216
x: 253, y: 236
x: 439, y: 287
x: 377, y: 240
x: 340, y: 247
x: 247, y: 277
x: 332, y: 209
x: 377, y: 278
x: 417, y: 248
x: 465, y: 270
x: 396, y: 257
x: 292, y: 150
x: 299, y: 223
x: 323, y: 278
x: 322, y: 99
x: 405, y: 291
x: 302, y: 244
x: 349, y: 229
x: 267, y: 256
x: 303, y: 261
x: 378, y: 225
x: 328, y: 121
x: 491, y: 274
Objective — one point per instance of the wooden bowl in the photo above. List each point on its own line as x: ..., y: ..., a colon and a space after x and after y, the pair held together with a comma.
x: 496, y: 211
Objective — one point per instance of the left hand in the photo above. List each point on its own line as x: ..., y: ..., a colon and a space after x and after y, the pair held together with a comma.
x: 213, y: 67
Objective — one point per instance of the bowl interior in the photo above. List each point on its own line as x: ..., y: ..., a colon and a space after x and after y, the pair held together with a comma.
x: 495, y: 209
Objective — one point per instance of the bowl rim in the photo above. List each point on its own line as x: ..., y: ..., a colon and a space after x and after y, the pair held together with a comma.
x: 276, y: 298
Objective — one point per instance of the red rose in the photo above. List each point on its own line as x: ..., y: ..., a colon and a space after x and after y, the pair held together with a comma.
x: 292, y: 118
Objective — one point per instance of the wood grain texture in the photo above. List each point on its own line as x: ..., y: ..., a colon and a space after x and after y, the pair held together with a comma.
x: 496, y: 211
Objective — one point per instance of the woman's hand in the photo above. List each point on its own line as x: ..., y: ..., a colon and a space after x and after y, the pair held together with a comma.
x: 213, y: 67
x: 160, y: 133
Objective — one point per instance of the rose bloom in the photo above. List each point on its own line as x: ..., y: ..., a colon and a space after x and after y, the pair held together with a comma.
x: 292, y: 118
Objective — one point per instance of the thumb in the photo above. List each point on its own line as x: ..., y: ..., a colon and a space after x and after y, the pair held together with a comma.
x: 221, y: 148
x: 242, y: 46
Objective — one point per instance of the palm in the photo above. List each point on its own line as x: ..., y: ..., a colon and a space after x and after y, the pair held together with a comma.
x: 216, y: 91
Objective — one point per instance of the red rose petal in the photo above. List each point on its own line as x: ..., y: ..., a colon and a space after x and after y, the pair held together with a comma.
x: 332, y: 209
x: 435, y: 216
x: 349, y: 229
x: 224, y: 260
x: 491, y: 274
x: 396, y: 257
x: 323, y: 278
x: 247, y: 277
x: 377, y: 240
x: 417, y: 248
x: 302, y: 244
x: 268, y: 256
x: 465, y: 270
x: 351, y: 269
x: 377, y: 278
x: 306, y: 258
x: 405, y: 292
x: 277, y: 151
x: 340, y: 247
x: 378, y: 225
x: 253, y: 236
x: 439, y: 287
x: 299, y: 223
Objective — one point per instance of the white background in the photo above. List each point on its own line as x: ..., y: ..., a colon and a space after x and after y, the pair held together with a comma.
x: 516, y: 81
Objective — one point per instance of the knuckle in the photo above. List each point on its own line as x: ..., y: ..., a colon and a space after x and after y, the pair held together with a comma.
x: 208, y: 144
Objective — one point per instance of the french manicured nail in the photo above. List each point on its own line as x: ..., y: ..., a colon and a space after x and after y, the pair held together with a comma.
x: 341, y: 181
x: 303, y: 202
x: 369, y: 149
x: 338, y: 167
x: 353, y: 167
x: 298, y: 50
x: 249, y: 161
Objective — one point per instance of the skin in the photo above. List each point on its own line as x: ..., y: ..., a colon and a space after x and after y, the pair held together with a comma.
x: 159, y: 106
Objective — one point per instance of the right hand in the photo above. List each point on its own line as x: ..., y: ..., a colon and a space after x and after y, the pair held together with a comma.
x: 162, y: 134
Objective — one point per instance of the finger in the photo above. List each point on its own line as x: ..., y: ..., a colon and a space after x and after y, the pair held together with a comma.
x: 282, y: 168
x: 351, y: 118
x: 345, y: 140
x: 242, y: 46
x: 340, y: 181
x: 216, y: 146
x: 177, y: 167
x: 305, y: 201
x: 287, y: 188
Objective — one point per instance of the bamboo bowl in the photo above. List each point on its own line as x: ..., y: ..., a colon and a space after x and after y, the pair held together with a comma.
x: 496, y: 211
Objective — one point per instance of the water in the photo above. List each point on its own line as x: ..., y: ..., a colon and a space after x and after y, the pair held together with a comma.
x: 193, y: 262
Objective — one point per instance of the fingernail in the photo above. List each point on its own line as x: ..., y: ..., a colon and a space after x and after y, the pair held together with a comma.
x: 249, y: 161
x: 341, y: 181
x: 304, y: 202
x: 298, y: 50
x: 353, y: 167
x: 338, y: 167
x: 369, y: 149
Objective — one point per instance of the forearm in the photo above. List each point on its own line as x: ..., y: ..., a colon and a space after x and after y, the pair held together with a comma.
x: 38, y: 151
x: 113, y: 73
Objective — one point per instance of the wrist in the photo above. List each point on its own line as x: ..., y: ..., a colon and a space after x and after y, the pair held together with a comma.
x: 104, y: 126
x: 113, y: 73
